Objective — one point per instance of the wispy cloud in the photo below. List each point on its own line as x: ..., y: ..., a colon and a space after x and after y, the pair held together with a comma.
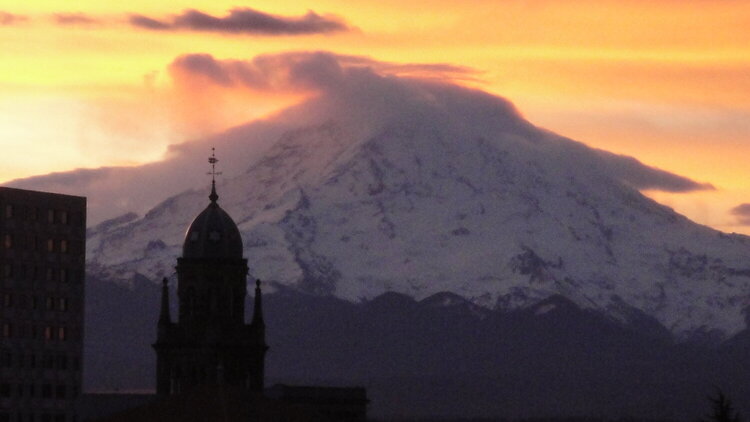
x: 245, y: 21
x: 742, y: 212
x: 74, y: 19
x: 7, y: 18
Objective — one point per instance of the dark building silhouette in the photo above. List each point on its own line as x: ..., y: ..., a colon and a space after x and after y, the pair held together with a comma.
x: 210, y: 344
x: 209, y: 363
x: 42, y: 256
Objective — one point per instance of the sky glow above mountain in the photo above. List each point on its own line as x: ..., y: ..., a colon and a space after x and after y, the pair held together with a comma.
x: 90, y: 84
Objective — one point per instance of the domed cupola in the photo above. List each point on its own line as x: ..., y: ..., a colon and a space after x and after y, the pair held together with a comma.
x: 213, y: 233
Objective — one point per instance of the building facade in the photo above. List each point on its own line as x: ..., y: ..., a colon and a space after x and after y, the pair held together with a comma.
x: 42, y: 258
x: 210, y: 344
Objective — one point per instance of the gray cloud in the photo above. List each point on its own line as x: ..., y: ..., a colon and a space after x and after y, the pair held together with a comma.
x: 644, y: 177
x: 73, y: 19
x: 148, y: 23
x: 7, y: 18
x: 245, y: 21
x: 742, y: 212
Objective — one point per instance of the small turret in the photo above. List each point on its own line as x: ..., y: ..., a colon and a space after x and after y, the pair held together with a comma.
x: 165, y: 320
x: 258, y: 308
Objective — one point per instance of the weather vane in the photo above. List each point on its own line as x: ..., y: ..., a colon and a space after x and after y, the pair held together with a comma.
x: 213, y: 160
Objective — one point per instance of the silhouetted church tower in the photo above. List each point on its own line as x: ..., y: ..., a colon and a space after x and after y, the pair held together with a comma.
x: 210, y: 344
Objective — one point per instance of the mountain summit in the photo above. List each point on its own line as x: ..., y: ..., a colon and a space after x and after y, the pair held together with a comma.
x: 384, y: 183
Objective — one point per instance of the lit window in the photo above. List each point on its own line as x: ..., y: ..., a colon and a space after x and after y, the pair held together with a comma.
x: 64, y: 246
x: 62, y: 334
x: 8, y: 240
x: 8, y: 211
x: 50, y: 245
x: 48, y: 333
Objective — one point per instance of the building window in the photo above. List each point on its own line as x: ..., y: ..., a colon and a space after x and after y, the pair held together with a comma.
x: 34, y: 302
x: 8, y: 270
x: 50, y: 216
x: 8, y: 211
x: 48, y: 333
x: 64, y: 217
x: 62, y: 304
x: 49, y: 362
x: 63, y: 275
x: 6, y: 360
x: 7, y: 330
x: 8, y: 300
x: 8, y: 240
x: 62, y: 362
x: 64, y: 246
x: 50, y: 274
x: 50, y: 303
x: 62, y: 334
x: 50, y: 245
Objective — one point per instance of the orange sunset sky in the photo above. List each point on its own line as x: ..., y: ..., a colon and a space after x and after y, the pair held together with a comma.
x: 667, y: 82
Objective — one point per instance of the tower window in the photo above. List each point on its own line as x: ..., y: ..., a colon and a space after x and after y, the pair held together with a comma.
x: 8, y: 240
x: 8, y: 211
x: 64, y: 246
x: 50, y: 216
x: 50, y: 245
x: 64, y: 217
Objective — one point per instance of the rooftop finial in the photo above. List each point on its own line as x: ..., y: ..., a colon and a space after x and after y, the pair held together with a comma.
x: 213, y: 160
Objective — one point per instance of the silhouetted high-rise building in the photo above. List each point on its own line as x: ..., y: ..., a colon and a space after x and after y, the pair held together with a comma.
x: 42, y: 258
x: 210, y: 344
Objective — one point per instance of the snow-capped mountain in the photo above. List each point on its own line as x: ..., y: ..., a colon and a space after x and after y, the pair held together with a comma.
x: 452, y: 190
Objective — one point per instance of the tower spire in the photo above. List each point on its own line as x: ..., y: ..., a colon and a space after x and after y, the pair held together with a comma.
x: 258, y: 308
x: 164, y: 317
x: 213, y: 160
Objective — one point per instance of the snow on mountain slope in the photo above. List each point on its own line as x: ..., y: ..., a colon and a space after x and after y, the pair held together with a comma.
x: 451, y: 190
